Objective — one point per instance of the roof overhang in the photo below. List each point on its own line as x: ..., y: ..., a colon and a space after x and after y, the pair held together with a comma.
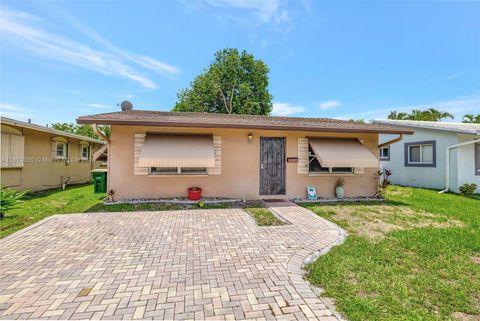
x: 421, y: 125
x: 85, y: 120
x: 17, y: 123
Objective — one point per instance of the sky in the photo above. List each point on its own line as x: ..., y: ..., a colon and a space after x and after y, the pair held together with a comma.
x: 348, y: 60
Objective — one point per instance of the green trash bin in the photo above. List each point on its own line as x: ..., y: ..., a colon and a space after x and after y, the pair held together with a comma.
x: 99, y: 178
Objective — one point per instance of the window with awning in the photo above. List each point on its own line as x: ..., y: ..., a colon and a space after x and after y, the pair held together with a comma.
x: 172, y: 154
x: 335, y: 155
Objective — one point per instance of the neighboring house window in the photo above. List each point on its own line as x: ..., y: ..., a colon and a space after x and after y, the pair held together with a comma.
x: 12, y: 151
x: 420, y: 154
x: 178, y: 171
x: 85, y: 152
x: 477, y: 159
x: 385, y: 153
x: 314, y: 166
x: 60, y: 150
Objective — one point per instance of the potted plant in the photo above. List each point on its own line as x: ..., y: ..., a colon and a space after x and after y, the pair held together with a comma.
x: 194, y: 193
x: 339, y: 191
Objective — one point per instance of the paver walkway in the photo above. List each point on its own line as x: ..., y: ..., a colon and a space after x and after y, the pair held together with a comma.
x: 196, y: 264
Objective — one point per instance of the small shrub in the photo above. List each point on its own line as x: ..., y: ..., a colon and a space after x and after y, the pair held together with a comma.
x: 340, y: 182
x: 110, y: 194
x: 9, y: 199
x: 468, y: 189
x: 201, y: 204
x: 382, y: 177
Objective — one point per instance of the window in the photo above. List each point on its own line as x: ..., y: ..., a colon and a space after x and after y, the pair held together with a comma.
x: 347, y: 170
x: 385, y: 153
x: 60, y: 150
x: 420, y: 154
x: 314, y: 166
x: 178, y: 171
x: 12, y: 151
x: 85, y: 152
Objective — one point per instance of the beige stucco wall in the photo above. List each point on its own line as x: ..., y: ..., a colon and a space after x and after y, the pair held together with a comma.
x: 38, y: 172
x: 240, y: 167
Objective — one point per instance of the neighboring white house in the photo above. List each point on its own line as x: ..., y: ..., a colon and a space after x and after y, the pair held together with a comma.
x: 420, y: 160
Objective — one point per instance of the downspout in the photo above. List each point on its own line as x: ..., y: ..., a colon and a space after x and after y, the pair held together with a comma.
x: 447, y: 162
x: 399, y: 138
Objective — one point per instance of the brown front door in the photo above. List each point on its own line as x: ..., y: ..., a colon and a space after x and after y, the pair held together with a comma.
x: 272, y: 166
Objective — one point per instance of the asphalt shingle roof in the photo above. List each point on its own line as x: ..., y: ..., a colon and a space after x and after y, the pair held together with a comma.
x: 208, y: 120
x: 466, y: 128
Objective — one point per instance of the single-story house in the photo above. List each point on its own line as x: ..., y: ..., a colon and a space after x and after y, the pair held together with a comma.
x: 439, y: 155
x: 36, y: 158
x: 155, y: 154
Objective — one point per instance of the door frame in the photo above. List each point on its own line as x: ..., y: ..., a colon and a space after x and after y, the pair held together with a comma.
x: 284, y: 139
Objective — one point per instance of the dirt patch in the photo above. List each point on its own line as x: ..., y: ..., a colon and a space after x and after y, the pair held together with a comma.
x: 374, y: 221
x: 364, y: 294
x: 465, y: 317
x: 475, y: 259
x: 400, y: 192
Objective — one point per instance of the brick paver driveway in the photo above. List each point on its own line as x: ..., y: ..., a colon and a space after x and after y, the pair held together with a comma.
x: 196, y: 264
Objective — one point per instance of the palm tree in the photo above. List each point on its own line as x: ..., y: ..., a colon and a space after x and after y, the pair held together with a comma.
x: 394, y: 115
x: 430, y: 114
x: 438, y: 115
x: 474, y: 119
x: 418, y: 114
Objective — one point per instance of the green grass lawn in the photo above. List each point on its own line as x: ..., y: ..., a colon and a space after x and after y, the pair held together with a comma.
x: 263, y: 216
x: 37, y: 206
x: 417, y: 257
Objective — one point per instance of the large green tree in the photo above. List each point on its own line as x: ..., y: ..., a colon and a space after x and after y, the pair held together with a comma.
x: 430, y: 114
x: 234, y: 83
x: 474, y: 119
x: 84, y: 130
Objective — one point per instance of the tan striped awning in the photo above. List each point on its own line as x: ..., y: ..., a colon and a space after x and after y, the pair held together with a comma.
x: 337, y: 152
x: 164, y: 150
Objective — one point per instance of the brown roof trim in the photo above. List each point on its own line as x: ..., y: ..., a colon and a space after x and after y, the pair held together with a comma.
x: 53, y: 131
x: 85, y: 120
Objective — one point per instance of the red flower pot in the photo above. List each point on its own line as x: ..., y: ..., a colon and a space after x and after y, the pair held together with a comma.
x: 194, y: 193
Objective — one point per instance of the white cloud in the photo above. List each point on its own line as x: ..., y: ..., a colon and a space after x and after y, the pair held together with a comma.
x: 21, y: 29
x: 124, y: 96
x: 99, y: 106
x: 458, y: 107
x: 273, y: 13
x: 329, y: 104
x: 453, y: 75
x: 147, y: 62
x: 285, y: 109
x: 265, y: 10
x: 13, y: 111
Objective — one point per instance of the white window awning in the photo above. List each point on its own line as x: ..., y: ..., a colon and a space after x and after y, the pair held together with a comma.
x: 339, y: 152
x: 171, y: 150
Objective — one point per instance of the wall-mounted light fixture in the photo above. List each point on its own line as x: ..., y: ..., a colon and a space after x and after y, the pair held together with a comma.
x: 250, y: 137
